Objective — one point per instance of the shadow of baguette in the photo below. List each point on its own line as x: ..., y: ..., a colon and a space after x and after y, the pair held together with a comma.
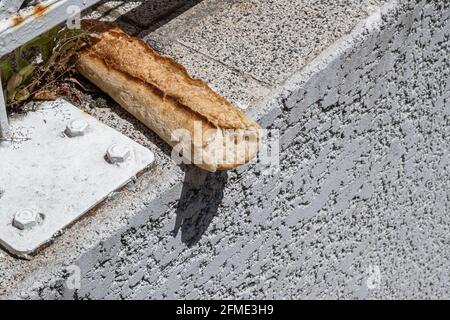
x: 200, y: 199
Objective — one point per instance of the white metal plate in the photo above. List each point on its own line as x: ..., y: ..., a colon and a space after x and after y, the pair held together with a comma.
x: 59, y: 177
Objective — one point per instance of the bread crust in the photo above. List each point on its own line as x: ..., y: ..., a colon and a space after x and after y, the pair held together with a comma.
x: 162, y: 95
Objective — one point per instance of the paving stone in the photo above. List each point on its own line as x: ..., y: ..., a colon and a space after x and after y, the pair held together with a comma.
x: 362, y: 182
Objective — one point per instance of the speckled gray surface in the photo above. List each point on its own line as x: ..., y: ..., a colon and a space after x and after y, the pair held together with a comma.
x: 267, y: 39
x: 359, y: 209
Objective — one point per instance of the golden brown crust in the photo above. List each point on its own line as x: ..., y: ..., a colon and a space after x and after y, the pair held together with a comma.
x: 160, y: 93
x: 184, y: 117
x: 206, y: 125
x: 124, y: 53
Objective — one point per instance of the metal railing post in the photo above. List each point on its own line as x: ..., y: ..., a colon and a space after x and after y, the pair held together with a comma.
x: 9, y: 7
x: 13, y: 36
x: 4, y: 124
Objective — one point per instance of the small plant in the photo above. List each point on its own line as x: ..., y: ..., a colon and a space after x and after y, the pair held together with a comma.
x: 37, y: 77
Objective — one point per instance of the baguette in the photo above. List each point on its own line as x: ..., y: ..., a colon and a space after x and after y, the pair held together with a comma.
x: 200, y: 124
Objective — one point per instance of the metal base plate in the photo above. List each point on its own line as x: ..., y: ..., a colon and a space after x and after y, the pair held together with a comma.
x: 60, y: 178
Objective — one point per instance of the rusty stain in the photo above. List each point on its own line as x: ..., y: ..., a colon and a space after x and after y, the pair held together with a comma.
x: 39, y: 10
x: 16, y: 20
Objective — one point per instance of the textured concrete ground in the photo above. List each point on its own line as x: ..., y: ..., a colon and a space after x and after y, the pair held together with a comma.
x: 359, y: 208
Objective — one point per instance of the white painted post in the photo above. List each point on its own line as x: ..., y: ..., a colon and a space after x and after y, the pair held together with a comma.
x: 9, y: 7
x: 4, y: 125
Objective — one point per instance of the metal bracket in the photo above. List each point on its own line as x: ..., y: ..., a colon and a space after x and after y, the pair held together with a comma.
x: 53, y: 173
x: 57, y: 165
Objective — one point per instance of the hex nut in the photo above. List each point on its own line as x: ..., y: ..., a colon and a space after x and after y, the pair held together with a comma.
x: 25, y: 219
x: 118, y: 153
x: 77, y: 128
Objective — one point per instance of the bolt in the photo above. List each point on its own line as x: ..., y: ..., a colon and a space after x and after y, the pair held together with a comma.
x: 77, y: 128
x: 25, y: 219
x: 118, y: 153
